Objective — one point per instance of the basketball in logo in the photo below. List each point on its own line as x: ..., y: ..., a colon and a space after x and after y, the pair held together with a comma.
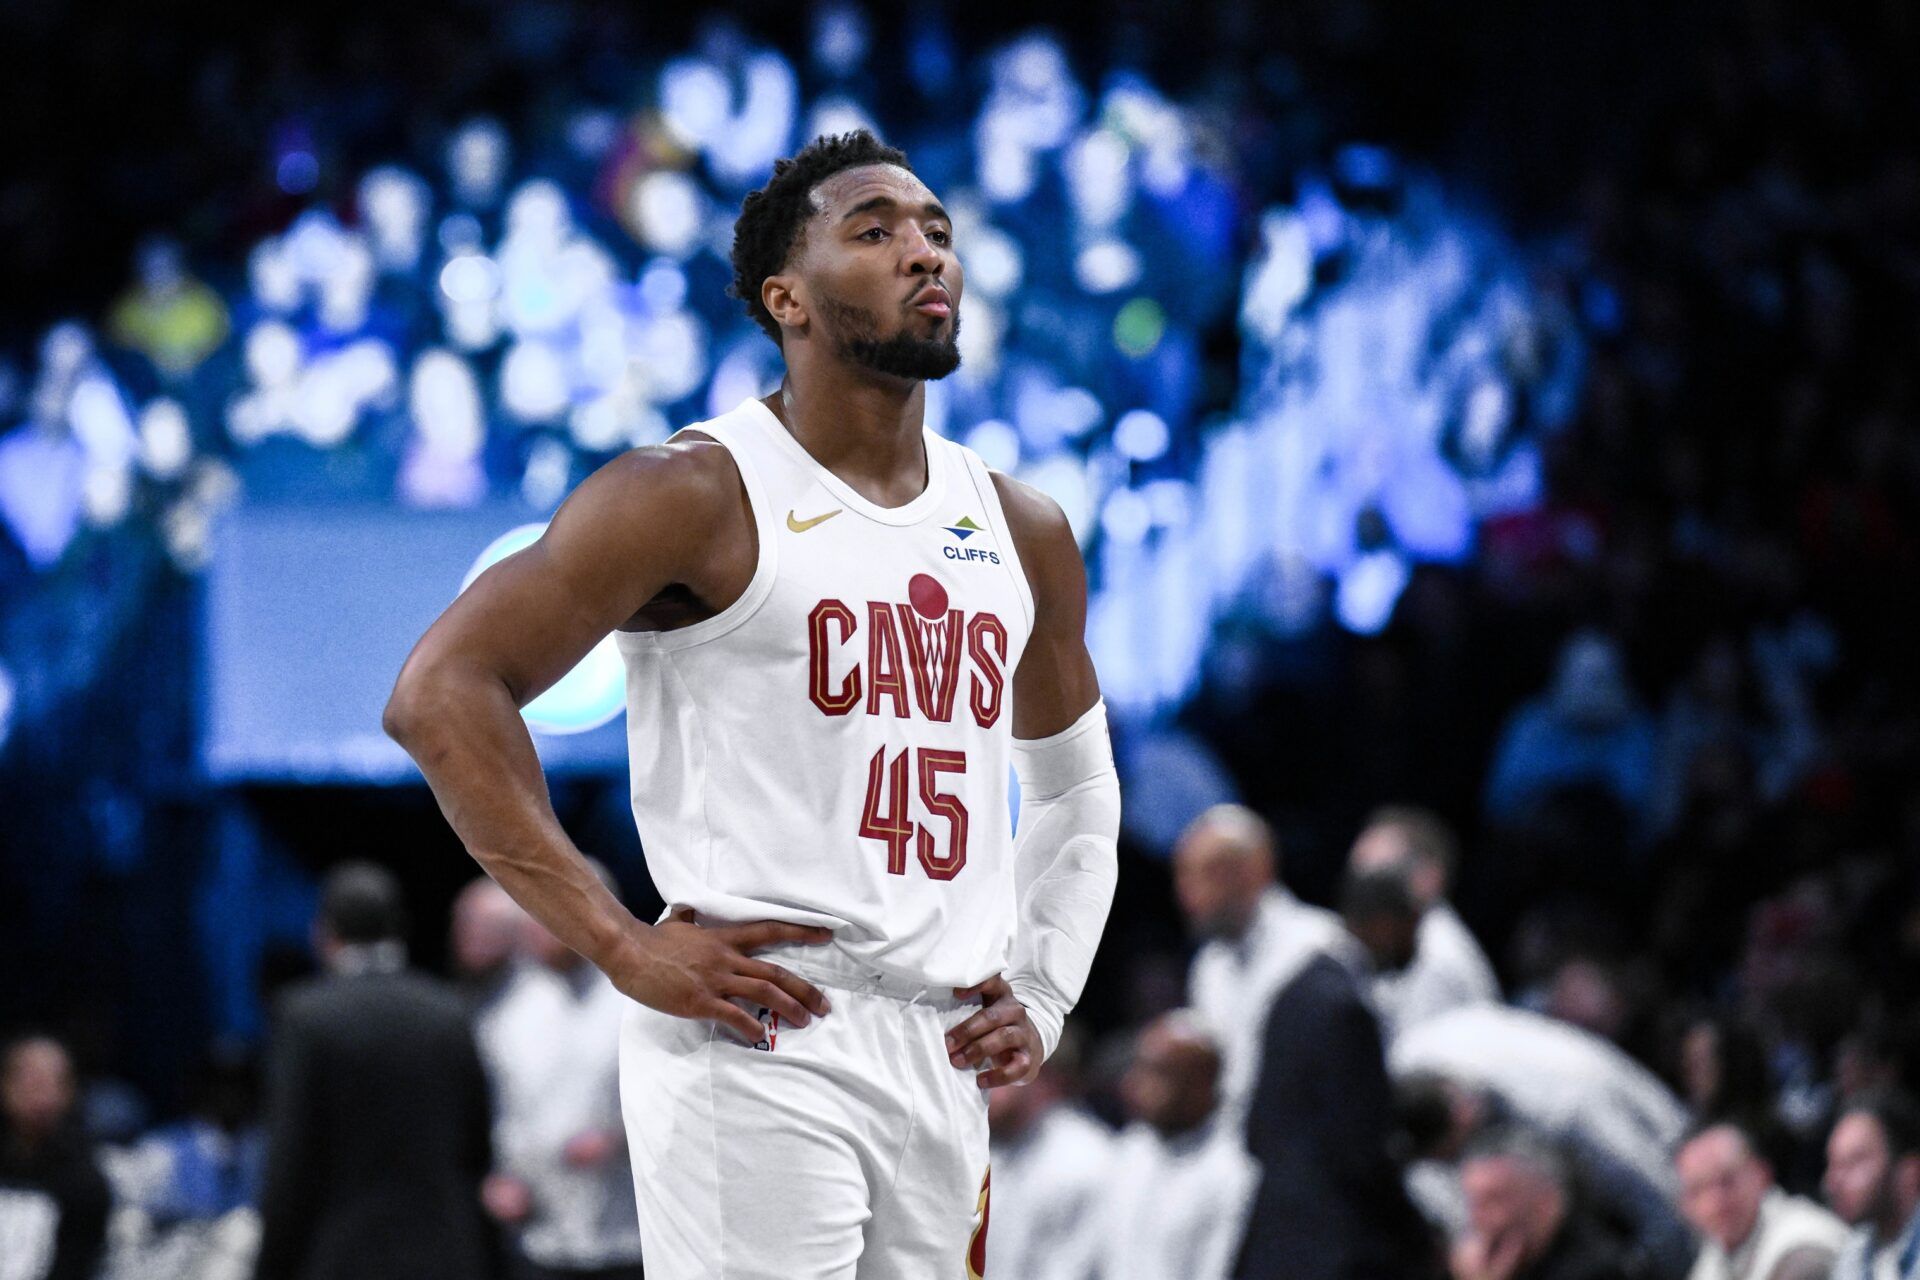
x: 928, y: 597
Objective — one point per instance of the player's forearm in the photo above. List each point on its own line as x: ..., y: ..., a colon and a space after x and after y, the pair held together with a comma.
x: 466, y: 734
x: 1066, y: 865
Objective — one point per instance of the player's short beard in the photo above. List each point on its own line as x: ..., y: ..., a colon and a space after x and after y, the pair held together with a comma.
x: 856, y: 337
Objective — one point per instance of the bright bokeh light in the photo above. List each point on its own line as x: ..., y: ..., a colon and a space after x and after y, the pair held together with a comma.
x: 492, y: 329
x: 589, y: 695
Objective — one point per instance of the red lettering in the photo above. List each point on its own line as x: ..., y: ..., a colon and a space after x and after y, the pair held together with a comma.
x: 987, y: 646
x: 893, y: 828
x: 886, y: 674
x: 932, y: 764
x: 847, y: 696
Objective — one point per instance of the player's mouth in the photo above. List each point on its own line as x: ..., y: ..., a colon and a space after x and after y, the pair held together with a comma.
x: 933, y: 301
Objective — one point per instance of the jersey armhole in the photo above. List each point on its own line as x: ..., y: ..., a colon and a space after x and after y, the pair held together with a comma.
x: 766, y: 554
x: 996, y: 516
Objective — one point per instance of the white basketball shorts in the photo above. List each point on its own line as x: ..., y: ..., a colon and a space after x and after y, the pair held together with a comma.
x: 848, y: 1149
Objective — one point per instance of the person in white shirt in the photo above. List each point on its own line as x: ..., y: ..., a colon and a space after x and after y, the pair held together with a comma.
x: 484, y: 940
x: 1180, y: 1180
x: 551, y: 1043
x: 1448, y: 969
x: 1873, y: 1183
x: 1052, y: 1164
x: 1255, y: 935
x: 1750, y: 1229
x: 1615, y: 1118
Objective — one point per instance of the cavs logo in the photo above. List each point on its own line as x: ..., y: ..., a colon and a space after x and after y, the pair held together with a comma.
x: 977, y: 1247
x: 908, y: 663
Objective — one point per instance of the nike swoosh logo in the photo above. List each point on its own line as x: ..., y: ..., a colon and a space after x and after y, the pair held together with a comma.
x: 801, y: 526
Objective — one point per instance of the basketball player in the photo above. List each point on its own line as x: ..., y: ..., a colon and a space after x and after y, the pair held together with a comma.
x: 840, y: 630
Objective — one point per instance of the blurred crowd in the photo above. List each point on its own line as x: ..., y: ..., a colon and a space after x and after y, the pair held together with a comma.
x: 1341, y: 1093
x: 409, y: 1126
x: 1226, y: 358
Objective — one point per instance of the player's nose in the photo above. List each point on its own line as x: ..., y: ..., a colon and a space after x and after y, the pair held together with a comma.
x: 922, y: 256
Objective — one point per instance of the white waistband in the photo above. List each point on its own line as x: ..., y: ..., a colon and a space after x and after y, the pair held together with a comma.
x: 828, y: 964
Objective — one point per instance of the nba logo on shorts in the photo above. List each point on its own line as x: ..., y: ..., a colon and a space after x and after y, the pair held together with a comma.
x: 770, y: 1022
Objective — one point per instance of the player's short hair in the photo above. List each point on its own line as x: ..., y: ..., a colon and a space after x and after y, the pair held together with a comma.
x: 1427, y: 834
x: 771, y: 218
x: 361, y: 902
x: 1895, y: 1113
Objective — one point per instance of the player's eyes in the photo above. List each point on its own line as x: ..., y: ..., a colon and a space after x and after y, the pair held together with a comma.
x: 872, y: 232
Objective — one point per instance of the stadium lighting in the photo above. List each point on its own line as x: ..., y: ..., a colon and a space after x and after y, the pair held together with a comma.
x: 166, y: 440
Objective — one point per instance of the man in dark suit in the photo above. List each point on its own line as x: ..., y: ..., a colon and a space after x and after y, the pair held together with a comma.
x: 378, y: 1115
x: 1331, y: 1204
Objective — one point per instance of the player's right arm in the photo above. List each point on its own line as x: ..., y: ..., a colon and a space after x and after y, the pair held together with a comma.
x: 649, y: 519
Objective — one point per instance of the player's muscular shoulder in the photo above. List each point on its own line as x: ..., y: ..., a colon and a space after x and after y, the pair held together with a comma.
x: 717, y: 567
x: 1045, y: 541
x: 1055, y: 682
x: 667, y: 528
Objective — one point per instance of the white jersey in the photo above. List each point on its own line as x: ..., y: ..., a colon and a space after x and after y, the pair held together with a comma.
x: 834, y: 747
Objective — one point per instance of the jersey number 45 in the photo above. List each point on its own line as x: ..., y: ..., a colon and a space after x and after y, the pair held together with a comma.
x: 884, y: 816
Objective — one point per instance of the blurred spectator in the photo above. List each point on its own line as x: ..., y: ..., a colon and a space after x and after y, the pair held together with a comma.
x: 53, y: 1197
x: 551, y: 1043
x: 1447, y: 966
x: 1052, y: 1167
x: 1749, y: 1228
x: 1588, y: 730
x: 1255, y: 935
x: 169, y: 317
x: 1378, y: 910
x: 1721, y: 1066
x: 488, y: 928
x: 209, y: 1164
x: 41, y: 474
x: 378, y: 1114
x: 187, y: 1191
x: 1873, y: 1183
x: 1179, y: 1183
x: 1755, y: 710
x: 1525, y: 1220
x: 1588, y: 992
x: 1331, y: 1202
x: 1490, y: 1064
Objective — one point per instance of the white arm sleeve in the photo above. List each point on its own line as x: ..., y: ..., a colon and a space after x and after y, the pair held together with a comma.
x: 1065, y: 864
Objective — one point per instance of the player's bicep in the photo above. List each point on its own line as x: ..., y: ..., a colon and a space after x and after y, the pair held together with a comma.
x: 616, y: 541
x: 1055, y: 683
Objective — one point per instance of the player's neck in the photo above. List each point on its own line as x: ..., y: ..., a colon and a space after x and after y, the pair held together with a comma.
x: 866, y: 429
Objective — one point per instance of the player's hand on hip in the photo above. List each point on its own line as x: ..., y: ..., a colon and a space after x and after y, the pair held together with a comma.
x: 695, y: 971
x: 999, y: 1038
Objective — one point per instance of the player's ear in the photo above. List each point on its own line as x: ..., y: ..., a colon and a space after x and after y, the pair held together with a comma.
x: 782, y: 296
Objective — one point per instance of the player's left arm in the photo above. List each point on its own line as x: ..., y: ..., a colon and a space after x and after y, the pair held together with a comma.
x: 1066, y: 855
